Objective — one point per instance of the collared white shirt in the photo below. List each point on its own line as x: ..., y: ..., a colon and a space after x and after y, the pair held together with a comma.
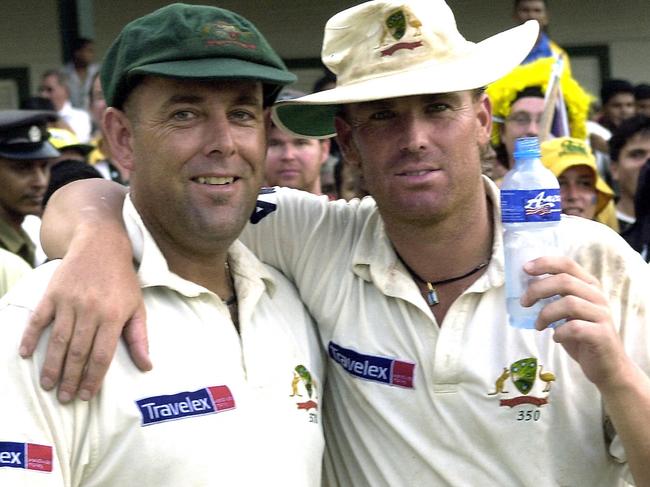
x: 218, y: 408
x: 409, y: 402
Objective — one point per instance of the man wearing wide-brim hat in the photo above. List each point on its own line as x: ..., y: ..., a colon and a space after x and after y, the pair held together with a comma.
x: 427, y: 384
x: 25, y: 158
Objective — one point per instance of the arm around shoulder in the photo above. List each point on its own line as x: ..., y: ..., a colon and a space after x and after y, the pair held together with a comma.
x: 90, y: 205
x: 93, y: 294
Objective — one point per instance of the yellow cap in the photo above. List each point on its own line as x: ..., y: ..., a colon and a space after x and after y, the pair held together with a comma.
x: 64, y: 139
x: 564, y: 152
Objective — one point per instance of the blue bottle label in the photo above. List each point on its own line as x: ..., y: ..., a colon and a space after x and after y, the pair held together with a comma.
x: 530, y: 205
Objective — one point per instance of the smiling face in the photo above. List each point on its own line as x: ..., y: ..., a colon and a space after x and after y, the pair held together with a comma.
x: 295, y: 162
x: 578, y: 191
x: 419, y: 155
x: 196, y: 150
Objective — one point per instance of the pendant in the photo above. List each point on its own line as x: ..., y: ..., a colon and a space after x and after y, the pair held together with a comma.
x: 432, y: 295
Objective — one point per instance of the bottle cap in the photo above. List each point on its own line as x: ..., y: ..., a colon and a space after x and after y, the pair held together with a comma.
x: 527, y: 148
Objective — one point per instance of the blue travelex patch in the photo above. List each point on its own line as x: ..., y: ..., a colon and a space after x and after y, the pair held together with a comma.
x: 209, y: 400
x: 29, y: 456
x: 371, y: 367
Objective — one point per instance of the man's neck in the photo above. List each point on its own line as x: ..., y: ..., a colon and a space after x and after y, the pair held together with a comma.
x: 14, y: 219
x: 82, y: 70
x: 316, y: 188
x: 207, y: 270
x: 440, y: 250
x: 447, y: 248
x: 625, y: 205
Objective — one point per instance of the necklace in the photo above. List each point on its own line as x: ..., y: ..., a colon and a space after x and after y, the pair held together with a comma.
x: 432, y: 292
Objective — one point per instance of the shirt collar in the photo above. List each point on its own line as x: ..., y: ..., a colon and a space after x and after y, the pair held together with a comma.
x: 250, y: 275
x: 374, y: 258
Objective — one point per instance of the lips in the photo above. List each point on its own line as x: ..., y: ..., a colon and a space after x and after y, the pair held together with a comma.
x: 573, y: 211
x: 420, y: 172
x: 215, y: 180
x: 34, y: 198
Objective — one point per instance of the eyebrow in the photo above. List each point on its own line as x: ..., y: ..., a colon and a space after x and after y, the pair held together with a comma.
x: 244, y: 99
x: 179, y: 99
x: 249, y: 99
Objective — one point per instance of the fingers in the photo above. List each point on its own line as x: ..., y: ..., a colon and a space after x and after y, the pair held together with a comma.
x: 100, y: 357
x: 559, y: 265
x: 135, y: 335
x: 40, y: 319
x: 76, y: 360
x: 580, y: 296
x: 572, y: 309
x: 57, y: 347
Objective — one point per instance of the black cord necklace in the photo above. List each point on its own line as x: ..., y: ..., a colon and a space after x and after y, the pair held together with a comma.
x: 432, y: 293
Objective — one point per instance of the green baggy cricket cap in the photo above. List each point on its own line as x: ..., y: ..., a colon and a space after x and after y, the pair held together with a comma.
x: 193, y: 42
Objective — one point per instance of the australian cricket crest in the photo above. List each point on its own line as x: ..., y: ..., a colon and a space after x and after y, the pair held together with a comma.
x: 523, y: 373
x: 524, y: 382
x: 401, y: 30
x: 305, y: 392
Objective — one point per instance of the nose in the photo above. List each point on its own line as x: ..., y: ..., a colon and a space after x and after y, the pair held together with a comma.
x: 219, y: 136
x: 288, y: 152
x: 414, y: 133
x: 40, y: 176
x: 532, y: 130
x: 569, y: 192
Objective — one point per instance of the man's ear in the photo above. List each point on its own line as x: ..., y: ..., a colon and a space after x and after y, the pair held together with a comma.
x: 346, y: 142
x: 325, y: 150
x: 484, y: 117
x: 118, y: 131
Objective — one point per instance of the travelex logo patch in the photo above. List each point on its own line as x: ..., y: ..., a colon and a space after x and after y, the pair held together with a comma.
x: 25, y: 455
x: 209, y: 400
x: 370, y: 367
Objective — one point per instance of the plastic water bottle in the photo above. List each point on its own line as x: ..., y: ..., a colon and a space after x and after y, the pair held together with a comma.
x: 530, y: 212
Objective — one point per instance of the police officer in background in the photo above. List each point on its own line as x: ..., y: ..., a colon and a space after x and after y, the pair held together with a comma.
x: 25, y: 159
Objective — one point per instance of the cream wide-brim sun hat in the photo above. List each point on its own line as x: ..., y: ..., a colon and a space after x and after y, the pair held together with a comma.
x: 393, y: 48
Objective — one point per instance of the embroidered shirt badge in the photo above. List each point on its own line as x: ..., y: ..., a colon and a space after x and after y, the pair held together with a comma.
x: 523, y: 375
x: 304, y: 385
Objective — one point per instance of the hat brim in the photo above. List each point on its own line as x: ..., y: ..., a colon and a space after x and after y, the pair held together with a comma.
x: 83, y: 149
x: 313, y: 115
x: 217, y: 68
x: 45, y: 151
x: 604, y: 193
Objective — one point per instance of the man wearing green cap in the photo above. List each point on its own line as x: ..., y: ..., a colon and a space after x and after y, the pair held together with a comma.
x: 427, y: 384
x: 25, y: 159
x: 186, y: 88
